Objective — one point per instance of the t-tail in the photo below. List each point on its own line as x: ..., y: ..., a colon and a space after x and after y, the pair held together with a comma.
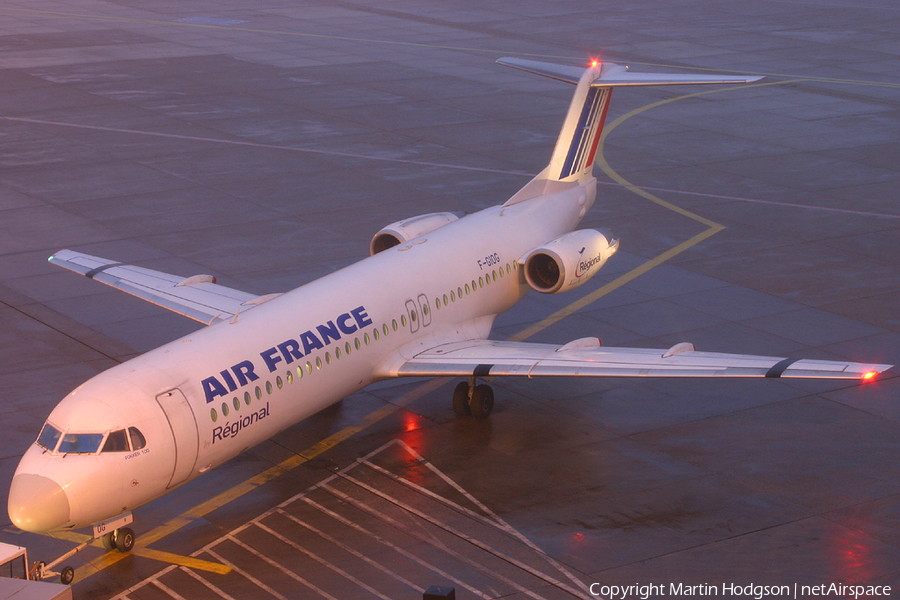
x: 576, y: 148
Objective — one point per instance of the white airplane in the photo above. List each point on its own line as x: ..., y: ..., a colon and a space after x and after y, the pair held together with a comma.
x: 422, y: 305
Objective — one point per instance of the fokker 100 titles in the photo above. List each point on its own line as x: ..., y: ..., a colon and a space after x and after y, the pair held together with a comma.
x: 238, y: 375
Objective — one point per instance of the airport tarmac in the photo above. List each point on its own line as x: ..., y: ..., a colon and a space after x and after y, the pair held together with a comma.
x: 266, y: 142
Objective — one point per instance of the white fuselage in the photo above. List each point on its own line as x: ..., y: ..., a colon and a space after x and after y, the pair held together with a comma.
x: 203, y: 399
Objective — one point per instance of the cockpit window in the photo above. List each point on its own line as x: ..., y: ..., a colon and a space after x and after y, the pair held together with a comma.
x: 117, y: 441
x: 137, y: 439
x: 80, y: 443
x: 49, y: 437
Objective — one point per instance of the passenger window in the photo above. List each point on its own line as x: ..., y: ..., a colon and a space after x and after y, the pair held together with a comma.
x: 137, y: 438
x: 49, y: 437
x: 80, y: 443
x: 116, y: 441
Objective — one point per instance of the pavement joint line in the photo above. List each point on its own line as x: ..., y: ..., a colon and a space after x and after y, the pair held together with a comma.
x: 160, y: 532
x: 39, y: 13
x: 319, y: 151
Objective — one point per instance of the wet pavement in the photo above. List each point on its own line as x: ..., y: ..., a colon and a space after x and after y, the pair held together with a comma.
x: 265, y: 143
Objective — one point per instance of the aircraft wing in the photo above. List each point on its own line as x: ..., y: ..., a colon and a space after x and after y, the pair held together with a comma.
x: 586, y: 358
x: 198, y: 297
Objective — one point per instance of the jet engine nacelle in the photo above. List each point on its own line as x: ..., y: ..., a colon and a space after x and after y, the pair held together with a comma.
x: 407, y: 229
x: 569, y: 260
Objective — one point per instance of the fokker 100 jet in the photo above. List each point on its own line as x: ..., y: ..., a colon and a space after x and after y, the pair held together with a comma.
x: 421, y: 305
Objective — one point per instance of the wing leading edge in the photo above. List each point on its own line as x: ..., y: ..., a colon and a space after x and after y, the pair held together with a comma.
x: 586, y: 358
x: 198, y: 297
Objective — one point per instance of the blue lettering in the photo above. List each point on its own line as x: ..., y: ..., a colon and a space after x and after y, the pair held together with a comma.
x: 244, y: 372
x: 270, y: 358
x: 342, y: 324
x: 212, y: 388
x: 329, y: 330
x: 229, y: 380
x: 310, y: 342
x: 362, y: 319
x: 290, y: 350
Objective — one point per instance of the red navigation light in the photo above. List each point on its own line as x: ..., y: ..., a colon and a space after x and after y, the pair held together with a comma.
x: 869, y: 375
x: 595, y: 62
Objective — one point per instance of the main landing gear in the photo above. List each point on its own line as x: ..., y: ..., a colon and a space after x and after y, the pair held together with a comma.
x: 473, y: 400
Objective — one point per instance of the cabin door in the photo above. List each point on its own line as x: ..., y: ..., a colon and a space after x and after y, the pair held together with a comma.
x: 184, y: 431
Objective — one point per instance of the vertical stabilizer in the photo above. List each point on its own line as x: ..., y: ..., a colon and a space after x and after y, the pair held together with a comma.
x: 572, y: 161
x: 573, y: 157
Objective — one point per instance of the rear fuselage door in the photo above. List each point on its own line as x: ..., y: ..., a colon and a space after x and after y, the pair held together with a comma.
x: 184, y: 431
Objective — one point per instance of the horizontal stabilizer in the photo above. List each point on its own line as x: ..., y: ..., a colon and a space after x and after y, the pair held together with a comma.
x: 491, y: 358
x: 613, y: 75
x: 197, y: 297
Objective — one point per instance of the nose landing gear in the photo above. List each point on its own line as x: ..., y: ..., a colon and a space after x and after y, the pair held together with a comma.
x: 473, y: 400
x: 114, y: 535
x: 121, y: 539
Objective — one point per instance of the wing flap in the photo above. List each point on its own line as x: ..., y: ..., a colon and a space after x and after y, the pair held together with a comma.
x: 492, y: 358
x: 197, y: 297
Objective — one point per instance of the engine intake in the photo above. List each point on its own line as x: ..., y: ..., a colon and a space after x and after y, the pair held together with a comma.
x: 569, y: 260
x: 407, y: 229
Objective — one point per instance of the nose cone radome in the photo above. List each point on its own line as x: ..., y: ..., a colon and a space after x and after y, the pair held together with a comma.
x: 37, y: 504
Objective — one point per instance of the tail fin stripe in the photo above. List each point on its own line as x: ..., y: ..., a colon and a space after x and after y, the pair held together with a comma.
x: 599, y: 127
x: 583, y: 145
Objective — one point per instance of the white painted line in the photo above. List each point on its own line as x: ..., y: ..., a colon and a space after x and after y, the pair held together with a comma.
x: 209, y: 585
x: 323, y: 562
x: 396, y: 548
x: 168, y: 590
x: 434, y: 542
x: 139, y: 585
x: 497, y: 521
x: 246, y: 575
x: 464, y: 536
x: 352, y: 551
x: 282, y: 568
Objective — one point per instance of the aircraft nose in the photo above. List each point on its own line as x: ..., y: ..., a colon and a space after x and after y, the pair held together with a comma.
x: 37, y: 504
